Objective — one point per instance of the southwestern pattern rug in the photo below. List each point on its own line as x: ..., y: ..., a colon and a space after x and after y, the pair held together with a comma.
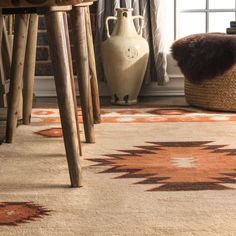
x: 152, y: 171
x: 177, y: 166
x: 141, y: 115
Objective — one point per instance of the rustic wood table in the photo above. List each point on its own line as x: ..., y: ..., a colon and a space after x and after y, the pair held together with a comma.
x: 54, y: 11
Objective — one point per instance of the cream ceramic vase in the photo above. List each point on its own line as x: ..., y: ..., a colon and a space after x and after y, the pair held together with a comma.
x: 125, y: 55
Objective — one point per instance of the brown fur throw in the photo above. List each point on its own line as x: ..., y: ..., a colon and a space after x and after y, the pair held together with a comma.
x: 204, y: 56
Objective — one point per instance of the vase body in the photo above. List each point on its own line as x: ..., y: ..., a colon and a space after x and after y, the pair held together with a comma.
x: 125, y: 56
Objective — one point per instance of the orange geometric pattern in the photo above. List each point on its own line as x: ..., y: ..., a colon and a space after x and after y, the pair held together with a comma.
x: 177, y: 166
x: 140, y: 115
x: 15, y: 213
x: 169, y: 111
x: 51, y: 133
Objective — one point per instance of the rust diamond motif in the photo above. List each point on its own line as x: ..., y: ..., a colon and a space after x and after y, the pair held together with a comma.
x: 15, y: 213
x: 176, y: 166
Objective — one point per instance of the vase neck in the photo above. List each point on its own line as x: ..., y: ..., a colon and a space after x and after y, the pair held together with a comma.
x: 125, y: 24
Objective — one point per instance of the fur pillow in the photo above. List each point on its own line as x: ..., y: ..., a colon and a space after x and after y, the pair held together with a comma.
x: 204, y: 56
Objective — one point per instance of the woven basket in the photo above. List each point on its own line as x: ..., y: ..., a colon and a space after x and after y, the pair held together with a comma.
x: 218, y: 93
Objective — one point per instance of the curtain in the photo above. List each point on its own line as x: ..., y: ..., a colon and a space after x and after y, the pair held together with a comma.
x: 153, y: 12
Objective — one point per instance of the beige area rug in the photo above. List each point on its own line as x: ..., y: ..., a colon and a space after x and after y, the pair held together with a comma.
x: 171, y: 176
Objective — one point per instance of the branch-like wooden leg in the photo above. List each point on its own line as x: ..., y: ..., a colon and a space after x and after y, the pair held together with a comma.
x: 29, y: 68
x: 2, y: 76
x: 3, y: 93
x: 93, y: 70
x: 72, y: 75
x: 6, y: 53
x: 21, y: 29
x: 10, y: 32
x: 82, y: 64
x: 59, y: 54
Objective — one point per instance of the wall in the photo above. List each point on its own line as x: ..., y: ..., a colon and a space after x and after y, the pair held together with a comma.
x: 43, y: 63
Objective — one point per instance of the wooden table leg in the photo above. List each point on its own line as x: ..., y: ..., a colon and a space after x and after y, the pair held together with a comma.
x: 2, y: 77
x: 3, y: 92
x: 59, y: 55
x: 11, y: 20
x: 93, y: 70
x: 72, y: 75
x: 21, y: 29
x: 6, y: 53
x: 29, y: 68
x: 83, y: 73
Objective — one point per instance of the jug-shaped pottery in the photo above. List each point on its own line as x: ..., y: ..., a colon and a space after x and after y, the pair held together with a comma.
x: 125, y: 56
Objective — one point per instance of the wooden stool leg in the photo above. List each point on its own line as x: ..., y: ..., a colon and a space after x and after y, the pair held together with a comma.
x: 21, y: 29
x: 59, y: 55
x: 7, y: 55
x: 3, y: 92
x: 2, y: 77
x: 93, y: 70
x: 72, y: 75
x: 29, y: 68
x: 82, y: 66
x: 10, y: 32
x: 3, y: 101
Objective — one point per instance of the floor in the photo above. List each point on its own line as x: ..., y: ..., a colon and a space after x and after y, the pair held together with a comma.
x: 155, y: 169
x: 52, y: 103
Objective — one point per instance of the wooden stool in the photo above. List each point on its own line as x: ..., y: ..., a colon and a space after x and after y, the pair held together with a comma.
x: 86, y: 69
x: 60, y: 58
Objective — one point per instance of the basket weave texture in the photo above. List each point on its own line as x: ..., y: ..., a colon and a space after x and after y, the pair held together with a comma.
x: 219, y: 93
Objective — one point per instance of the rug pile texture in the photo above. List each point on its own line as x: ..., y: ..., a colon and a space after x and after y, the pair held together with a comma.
x: 153, y: 171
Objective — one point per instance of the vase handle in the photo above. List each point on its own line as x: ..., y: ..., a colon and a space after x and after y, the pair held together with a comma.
x: 142, y: 24
x: 107, y: 24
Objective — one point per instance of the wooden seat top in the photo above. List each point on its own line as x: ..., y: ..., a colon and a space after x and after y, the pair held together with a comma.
x: 40, y: 3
